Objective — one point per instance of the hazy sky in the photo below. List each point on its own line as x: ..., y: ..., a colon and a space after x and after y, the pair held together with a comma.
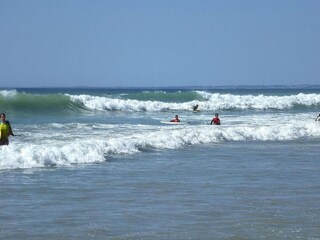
x: 154, y: 43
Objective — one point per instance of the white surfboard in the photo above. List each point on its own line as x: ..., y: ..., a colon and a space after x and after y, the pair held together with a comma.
x: 172, y: 123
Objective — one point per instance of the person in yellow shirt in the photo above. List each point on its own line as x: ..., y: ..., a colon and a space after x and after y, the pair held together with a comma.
x: 5, y: 130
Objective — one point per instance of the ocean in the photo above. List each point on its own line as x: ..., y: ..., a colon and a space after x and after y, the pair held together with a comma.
x: 99, y: 163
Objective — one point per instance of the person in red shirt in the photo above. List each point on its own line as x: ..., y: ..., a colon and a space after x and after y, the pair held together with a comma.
x: 215, y: 120
x: 176, y: 119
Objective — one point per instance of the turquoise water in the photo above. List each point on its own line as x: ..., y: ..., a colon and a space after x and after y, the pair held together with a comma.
x: 99, y: 164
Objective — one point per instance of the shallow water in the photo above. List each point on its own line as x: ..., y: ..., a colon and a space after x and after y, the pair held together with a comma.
x: 252, y: 190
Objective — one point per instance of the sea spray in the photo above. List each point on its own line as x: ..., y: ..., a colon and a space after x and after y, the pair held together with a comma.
x: 58, y: 150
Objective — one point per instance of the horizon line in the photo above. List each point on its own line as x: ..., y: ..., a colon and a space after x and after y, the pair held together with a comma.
x: 175, y: 87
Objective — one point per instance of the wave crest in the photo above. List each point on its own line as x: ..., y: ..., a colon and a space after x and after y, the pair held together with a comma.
x: 214, y: 101
x: 8, y: 93
x: 100, y: 148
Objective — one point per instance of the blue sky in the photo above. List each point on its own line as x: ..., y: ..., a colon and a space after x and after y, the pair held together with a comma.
x: 156, y: 43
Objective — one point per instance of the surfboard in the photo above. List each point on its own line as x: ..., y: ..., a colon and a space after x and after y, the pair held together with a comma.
x: 172, y: 123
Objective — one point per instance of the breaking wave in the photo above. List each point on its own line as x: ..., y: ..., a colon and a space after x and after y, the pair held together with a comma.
x: 213, y: 101
x: 13, y: 101
x: 75, y: 150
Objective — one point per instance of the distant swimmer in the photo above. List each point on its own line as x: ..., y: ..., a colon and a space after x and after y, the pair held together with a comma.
x: 176, y: 119
x: 318, y: 118
x: 215, y: 120
x: 195, y: 107
x: 5, y: 130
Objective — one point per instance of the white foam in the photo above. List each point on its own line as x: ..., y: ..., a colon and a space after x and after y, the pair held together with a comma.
x: 215, y: 101
x: 8, y: 93
x: 229, y: 101
x: 104, y: 103
x: 80, y: 149
x: 40, y: 155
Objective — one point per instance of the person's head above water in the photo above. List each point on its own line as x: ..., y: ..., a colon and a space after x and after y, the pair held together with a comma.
x: 3, y: 117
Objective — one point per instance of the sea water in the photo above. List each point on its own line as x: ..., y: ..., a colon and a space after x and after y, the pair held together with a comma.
x: 99, y: 164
